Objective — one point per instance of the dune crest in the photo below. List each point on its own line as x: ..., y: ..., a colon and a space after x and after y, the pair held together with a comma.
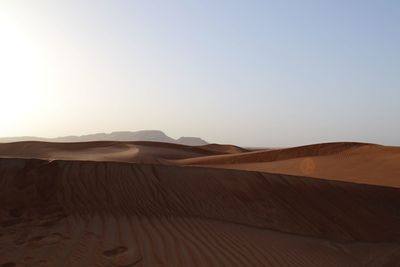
x: 139, y: 152
x: 351, y: 162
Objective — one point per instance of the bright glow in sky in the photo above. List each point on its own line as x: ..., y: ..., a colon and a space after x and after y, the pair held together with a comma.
x: 253, y: 73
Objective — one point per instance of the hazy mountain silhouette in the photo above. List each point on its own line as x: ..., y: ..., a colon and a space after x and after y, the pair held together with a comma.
x: 145, y: 135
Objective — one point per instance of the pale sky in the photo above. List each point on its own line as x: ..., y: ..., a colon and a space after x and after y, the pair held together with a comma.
x: 252, y: 73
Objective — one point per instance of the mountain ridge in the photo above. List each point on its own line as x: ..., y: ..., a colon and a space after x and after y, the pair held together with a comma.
x: 142, y: 135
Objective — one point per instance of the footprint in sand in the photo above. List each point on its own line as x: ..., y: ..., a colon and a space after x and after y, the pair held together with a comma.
x: 122, y: 257
x: 114, y: 252
x: 16, y: 212
x: 47, y: 240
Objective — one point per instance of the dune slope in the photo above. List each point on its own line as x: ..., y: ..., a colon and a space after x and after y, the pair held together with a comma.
x: 352, y: 162
x: 79, y: 213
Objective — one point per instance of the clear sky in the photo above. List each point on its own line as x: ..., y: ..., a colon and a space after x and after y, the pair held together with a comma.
x: 253, y: 73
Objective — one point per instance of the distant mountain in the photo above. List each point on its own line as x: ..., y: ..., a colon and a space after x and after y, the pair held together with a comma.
x: 191, y: 141
x: 146, y: 135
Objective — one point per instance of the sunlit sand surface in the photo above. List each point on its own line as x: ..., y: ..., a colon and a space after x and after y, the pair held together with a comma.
x: 141, y: 204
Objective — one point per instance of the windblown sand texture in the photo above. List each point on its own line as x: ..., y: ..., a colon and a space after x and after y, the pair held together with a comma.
x: 141, y: 204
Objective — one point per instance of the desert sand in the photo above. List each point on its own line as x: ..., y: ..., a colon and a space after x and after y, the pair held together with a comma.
x: 156, y: 204
x: 351, y: 162
x: 139, y: 152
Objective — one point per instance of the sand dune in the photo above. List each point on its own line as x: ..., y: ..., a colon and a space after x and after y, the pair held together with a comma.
x: 277, y: 154
x: 126, y: 204
x: 224, y: 149
x: 144, y: 152
x: 352, y: 162
x: 75, y: 213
